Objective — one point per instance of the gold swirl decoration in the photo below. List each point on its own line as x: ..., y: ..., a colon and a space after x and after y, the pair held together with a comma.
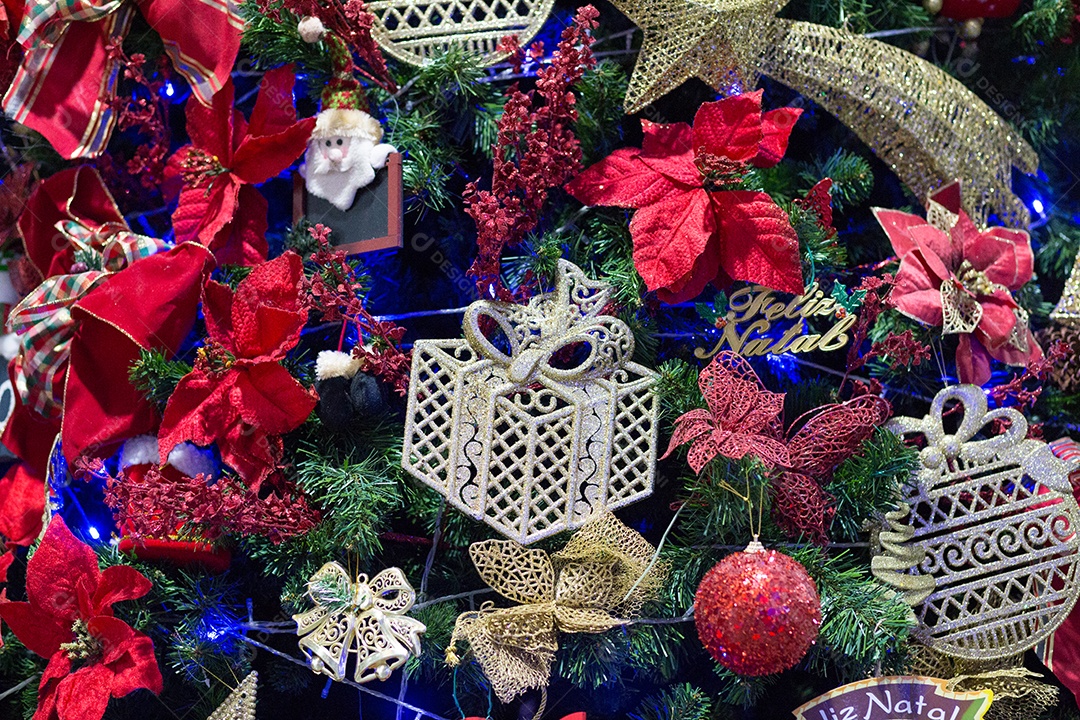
x: 899, y: 562
x: 994, y: 521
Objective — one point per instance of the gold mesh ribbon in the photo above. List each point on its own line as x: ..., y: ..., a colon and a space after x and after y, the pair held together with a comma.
x: 900, y: 557
x: 925, y: 124
x: 1018, y: 692
x: 600, y: 578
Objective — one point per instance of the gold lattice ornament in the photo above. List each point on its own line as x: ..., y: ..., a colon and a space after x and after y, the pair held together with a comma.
x: 365, y: 617
x: 415, y: 30
x: 993, y: 523
x: 534, y: 440
x: 598, y: 581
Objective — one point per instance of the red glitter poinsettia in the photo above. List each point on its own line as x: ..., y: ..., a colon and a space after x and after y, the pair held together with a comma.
x: 961, y: 278
x: 238, y: 394
x: 219, y: 205
x: 69, y: 619
x: 693, y: 224
x: 743, y: 417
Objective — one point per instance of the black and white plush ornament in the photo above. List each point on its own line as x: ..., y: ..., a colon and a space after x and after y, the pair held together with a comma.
x: 345, y: 393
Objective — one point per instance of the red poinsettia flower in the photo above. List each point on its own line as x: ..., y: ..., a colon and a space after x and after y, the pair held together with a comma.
x: 743, y: 417
x: 239, y: 395
x: 960, y: 278
x: 219, y: 206
x: 69, y: 619
x: 692, y: 226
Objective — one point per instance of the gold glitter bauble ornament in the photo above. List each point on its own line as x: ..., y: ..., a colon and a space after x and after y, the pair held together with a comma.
x: 413, y: 31
x: 240, y: 705
x: 365, y: 617
x: 535, y: 440
x: 757, y: 611
x: 995, y: 522
x: 925, y: 124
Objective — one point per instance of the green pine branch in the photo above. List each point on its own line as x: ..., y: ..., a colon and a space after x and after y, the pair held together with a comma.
x: 155, y: 376
x: 868, y: 484
x: 678, y: 702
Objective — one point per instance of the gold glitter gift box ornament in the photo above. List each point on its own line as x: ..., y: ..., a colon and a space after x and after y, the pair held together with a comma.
x: 365, y: 617
x: 990, y: 543
x: 532, y: 442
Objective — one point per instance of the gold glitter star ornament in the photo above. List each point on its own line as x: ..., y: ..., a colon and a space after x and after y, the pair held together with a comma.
x: 992, y: 540
x: 240, y: 705
x: 926, y: 125
x: 718, y: 41
x: 365, y: 617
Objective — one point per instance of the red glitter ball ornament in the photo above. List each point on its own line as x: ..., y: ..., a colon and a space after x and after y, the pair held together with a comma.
x: 757, y: 612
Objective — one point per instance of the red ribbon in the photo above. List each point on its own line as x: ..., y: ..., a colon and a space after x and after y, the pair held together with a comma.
x: 66, y: 86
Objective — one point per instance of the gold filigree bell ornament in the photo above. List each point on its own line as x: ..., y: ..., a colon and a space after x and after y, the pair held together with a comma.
x: 993, y: 524
x: 536, y: 439
x: 365, y: 617
x: 599, y: 579
x: 924, y: 123
x: 413, y: 31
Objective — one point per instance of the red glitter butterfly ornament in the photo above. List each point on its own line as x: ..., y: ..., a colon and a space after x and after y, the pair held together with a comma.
x: 693, y: 224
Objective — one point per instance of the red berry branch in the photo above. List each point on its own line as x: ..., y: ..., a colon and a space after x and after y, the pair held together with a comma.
x: 535, y: 150
x: 334, y: 290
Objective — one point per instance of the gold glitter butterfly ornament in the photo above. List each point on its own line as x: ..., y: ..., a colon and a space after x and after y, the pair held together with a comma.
x: 366, y: 617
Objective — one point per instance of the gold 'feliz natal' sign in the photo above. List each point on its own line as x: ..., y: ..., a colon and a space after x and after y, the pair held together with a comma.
x: 753, y: 310
x: 897, y: 698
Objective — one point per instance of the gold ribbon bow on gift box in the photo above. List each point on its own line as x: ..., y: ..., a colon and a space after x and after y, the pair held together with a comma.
x: 366, y: 617
x: 550, y: 323
x: 601, y: 577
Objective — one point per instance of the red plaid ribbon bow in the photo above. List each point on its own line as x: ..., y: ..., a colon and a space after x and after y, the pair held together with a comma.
x: 66, y: 86
x: 43, y: 318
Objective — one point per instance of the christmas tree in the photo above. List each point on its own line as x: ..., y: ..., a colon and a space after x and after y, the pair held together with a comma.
x: 652, y: 359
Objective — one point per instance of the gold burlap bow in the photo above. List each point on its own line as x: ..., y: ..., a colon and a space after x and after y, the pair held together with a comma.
x: 599, y: 579
x: 569, y: 316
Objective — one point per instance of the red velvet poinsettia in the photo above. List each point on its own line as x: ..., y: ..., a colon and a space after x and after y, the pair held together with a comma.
x: 219, y: 205
x: 960, y: 278
x: 69, y: 619
x: 743, y: 417
x: 239, y: 395
x: 693, y: 225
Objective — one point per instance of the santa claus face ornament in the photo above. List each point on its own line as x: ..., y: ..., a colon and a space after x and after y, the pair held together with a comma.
x: 351, y: 182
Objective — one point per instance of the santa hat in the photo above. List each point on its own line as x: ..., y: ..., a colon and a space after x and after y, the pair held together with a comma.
x: 343, y: 113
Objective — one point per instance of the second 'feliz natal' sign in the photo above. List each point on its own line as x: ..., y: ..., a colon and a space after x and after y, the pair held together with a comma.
x: 753, y: 310
x: 897, y: 698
